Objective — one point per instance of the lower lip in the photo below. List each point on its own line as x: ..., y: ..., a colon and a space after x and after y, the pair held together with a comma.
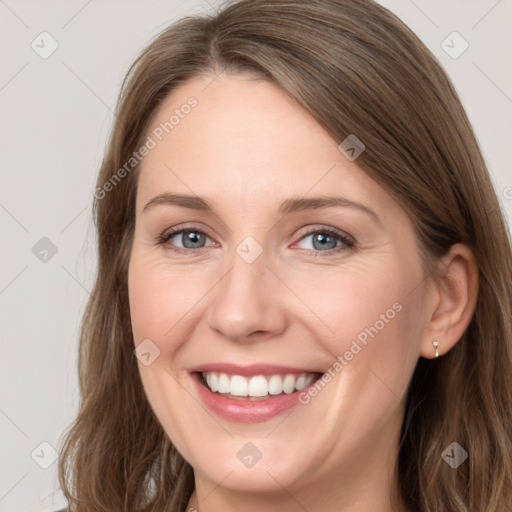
x: 246, y: 411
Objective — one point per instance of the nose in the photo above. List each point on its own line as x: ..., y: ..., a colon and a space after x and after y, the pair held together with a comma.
x: 248, y: 302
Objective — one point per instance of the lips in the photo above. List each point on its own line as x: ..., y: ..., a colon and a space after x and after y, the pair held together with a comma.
x: 251, y: 393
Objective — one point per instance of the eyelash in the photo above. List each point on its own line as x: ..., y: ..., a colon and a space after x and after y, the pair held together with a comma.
x: 347, y: 242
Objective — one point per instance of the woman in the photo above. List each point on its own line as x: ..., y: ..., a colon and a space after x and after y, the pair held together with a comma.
x: 304, y: 292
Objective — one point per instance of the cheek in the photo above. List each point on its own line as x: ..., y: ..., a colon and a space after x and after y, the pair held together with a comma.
x: 366, y: 315
x: 161, y: 298
x: 352, y: 302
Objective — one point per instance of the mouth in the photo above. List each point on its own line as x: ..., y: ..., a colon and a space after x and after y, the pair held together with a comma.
x: 256, y: 387
x: 251, y: 393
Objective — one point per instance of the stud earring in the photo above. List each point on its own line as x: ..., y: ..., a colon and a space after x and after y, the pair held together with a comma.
x: 436, y: 344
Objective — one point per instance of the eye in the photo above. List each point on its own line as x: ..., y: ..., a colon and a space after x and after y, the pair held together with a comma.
x: 328, y: 240
x: 192, y: 238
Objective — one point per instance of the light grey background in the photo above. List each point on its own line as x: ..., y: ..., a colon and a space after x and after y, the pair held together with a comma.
x: 55, y: 117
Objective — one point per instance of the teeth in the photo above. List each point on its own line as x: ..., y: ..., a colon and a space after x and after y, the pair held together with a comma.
x: 275, y: 385
x: 259, y: 385
x: 223, y: 383
x: 239, y: 386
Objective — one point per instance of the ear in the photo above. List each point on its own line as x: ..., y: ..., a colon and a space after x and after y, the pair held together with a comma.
x: 452, y: 300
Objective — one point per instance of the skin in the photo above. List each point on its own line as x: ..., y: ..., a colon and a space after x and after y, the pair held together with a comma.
x: 247, y: 147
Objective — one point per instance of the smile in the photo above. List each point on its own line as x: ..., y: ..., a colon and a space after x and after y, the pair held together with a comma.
x: 257, y: 386
x: 250, y: 394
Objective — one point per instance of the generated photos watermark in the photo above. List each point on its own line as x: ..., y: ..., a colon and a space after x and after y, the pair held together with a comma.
x: 355, y: 348
x: 150, y: 143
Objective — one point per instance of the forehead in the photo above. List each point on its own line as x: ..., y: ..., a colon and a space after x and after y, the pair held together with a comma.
x: 248, y: 139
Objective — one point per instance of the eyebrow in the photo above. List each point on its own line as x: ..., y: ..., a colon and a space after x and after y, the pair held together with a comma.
x: 291, y: 205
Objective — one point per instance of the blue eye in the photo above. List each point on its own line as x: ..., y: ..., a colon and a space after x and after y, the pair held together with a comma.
x: 189, y: 238
x: 325, y: 240
x: 328, y: 240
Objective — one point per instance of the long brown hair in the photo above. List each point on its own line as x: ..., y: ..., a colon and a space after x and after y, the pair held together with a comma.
x: 358, y: 70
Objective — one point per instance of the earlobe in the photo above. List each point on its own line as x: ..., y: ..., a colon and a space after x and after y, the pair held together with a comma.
x: 456, y: 287
x: 436, y: 347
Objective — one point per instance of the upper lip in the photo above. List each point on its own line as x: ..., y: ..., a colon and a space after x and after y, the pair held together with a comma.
x: 251, y: 369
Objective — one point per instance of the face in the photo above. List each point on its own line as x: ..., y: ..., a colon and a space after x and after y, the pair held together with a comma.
x: 255, y: 287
